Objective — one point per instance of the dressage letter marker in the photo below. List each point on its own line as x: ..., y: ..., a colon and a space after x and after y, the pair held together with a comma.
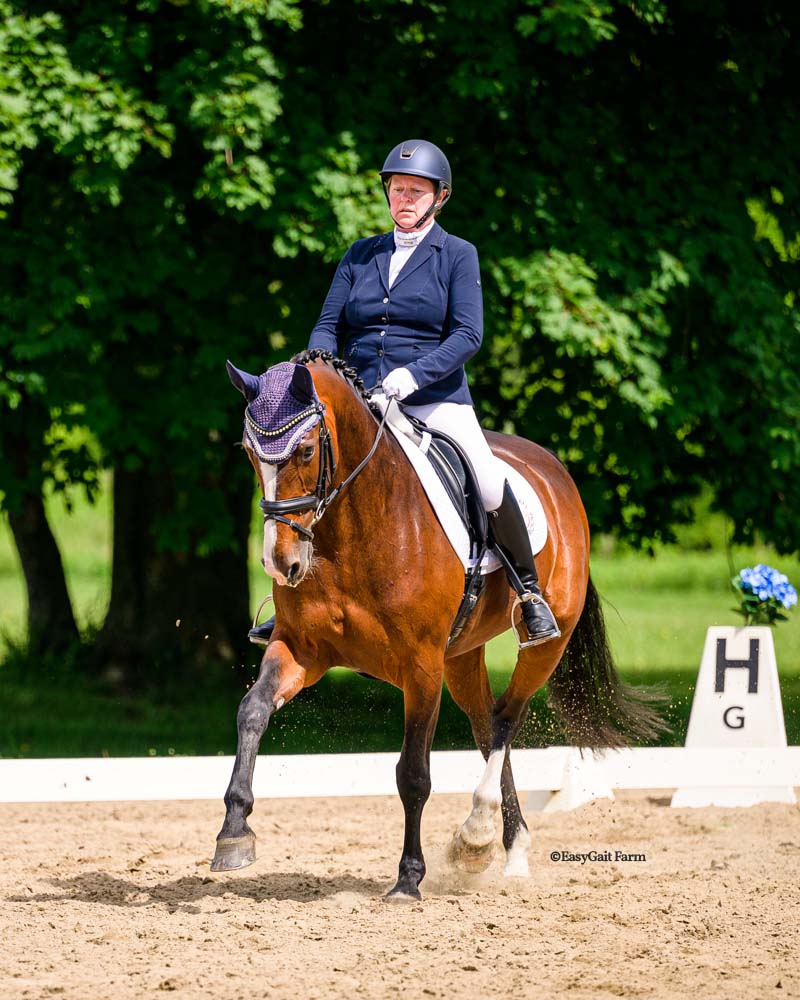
x: 737, y: 704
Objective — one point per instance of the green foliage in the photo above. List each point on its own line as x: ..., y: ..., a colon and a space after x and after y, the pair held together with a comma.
x: 554, y: 295
x: 335, y: 203
x: 178, y: 180
x: 768, y: 228
x: 121, y: 283
x: 572, y: 27
x: 97, y: 123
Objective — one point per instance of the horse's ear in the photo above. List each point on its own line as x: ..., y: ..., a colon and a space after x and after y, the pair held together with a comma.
x: 247, y: 385
x: 302, y: 384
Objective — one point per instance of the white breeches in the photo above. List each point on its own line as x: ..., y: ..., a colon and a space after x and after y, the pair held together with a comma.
x: 459, y: 422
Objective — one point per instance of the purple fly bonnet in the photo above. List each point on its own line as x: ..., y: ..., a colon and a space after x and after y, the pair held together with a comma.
x: 282, y: 406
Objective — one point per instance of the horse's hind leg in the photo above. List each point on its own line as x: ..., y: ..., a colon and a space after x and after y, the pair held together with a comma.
x: 534, y: 666
x: 414, y: 780
x: 279, y: 679
x: 473, y: 846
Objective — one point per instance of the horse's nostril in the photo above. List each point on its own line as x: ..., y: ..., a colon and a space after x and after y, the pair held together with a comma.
x: 294, y: 572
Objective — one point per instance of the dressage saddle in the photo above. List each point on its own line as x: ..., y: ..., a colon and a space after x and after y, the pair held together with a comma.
x: 456, y: 474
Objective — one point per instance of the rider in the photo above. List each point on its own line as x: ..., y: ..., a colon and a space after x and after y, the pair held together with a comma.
x: 406, y: 311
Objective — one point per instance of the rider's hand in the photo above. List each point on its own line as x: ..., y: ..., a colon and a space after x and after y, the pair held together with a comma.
x: 399, y: 383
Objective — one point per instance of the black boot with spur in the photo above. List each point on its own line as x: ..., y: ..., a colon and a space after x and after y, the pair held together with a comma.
x: 511, y: 539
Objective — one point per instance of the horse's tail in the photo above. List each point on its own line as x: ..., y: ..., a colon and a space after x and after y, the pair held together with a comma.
x: 593, y: 705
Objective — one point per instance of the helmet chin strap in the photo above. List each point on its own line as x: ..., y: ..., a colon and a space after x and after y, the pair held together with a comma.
x: 434, y: 205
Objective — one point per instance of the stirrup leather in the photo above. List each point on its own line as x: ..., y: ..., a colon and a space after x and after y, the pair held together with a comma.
x: 527, y: 641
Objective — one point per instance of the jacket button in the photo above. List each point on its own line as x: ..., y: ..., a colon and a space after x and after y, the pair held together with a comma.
x: 385, y: 301
x: 383, y: 333
x: 380, y: 352
x: 384, y: 319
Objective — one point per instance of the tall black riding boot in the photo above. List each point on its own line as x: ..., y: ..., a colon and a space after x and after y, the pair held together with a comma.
x: 511, y: 539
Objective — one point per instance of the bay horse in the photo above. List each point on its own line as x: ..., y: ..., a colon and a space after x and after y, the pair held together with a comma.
x: 374, y: 585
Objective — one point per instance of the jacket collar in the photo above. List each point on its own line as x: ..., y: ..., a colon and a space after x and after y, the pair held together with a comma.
x: 384, y: 248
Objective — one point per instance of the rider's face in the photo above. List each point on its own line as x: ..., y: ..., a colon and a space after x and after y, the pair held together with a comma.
x: 409, y: 199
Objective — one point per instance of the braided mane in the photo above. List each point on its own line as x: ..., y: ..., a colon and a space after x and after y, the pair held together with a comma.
x: 349, y: 374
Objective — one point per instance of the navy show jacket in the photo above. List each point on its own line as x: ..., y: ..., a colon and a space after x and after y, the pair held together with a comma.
x: 431, y: 321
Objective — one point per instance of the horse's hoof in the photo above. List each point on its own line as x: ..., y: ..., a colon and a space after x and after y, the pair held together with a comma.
x: 470, y: 859
x: 235, y: 852
x: 403, y: 895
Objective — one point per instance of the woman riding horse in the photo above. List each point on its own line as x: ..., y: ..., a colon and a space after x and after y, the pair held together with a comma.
x: 406, y: 310
x: 407, y: 307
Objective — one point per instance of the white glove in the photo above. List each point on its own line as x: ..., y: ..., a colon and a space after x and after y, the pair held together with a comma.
x: 399, y: 383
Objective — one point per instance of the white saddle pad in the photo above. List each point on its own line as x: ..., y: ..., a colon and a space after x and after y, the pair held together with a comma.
x: 449, y: 518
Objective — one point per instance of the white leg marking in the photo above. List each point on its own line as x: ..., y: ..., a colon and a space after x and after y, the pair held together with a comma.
x: 517, y: 855
x: 478, y: 828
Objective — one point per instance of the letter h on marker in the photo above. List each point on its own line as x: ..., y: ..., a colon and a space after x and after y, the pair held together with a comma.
x: 750, y: 664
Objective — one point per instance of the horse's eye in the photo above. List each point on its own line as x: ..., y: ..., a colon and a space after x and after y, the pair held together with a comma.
x: 308, y: 452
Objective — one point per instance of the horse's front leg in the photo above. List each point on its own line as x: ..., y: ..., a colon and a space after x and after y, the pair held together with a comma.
x: 279, y: 679
x: 414, y: 779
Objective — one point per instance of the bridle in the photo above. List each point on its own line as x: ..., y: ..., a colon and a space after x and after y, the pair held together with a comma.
x: 324, y: 493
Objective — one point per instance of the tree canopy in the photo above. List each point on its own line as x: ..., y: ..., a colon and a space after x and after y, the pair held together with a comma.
x: 178, y: 180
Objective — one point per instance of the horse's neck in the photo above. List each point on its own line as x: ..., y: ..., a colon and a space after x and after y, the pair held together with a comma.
x: 357, y: 434
x: 378, y: 501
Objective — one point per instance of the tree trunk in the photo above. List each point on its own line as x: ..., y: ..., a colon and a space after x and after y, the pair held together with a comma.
x: 172, y: 613
x: 51, y: 623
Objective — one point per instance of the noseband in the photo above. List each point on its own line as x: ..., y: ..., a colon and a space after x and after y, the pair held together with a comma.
x: 324, y: 494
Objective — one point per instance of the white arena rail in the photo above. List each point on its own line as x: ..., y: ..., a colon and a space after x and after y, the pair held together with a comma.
x: 327, y: 775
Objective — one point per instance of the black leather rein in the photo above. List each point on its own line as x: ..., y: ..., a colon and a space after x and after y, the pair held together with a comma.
x: 323, y: 495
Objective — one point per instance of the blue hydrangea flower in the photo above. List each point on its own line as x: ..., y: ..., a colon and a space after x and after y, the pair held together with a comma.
x: 765, y: 593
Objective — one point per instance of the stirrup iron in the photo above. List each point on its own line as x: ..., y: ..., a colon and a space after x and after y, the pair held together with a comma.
x: 525, y: 643
x: 266, y: 600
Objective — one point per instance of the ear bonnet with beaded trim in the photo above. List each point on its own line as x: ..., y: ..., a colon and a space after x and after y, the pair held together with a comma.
x: 283, y: 405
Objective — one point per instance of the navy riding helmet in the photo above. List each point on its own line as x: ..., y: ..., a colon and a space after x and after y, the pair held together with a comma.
x: 419, y: 158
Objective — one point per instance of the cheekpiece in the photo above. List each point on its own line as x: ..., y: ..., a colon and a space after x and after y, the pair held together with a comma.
x: 287, y: 407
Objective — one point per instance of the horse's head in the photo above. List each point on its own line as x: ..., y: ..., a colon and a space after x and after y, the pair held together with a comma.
x: 288, y: 443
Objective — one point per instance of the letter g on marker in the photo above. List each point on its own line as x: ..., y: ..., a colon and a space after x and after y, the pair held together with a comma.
x: 738, y: 720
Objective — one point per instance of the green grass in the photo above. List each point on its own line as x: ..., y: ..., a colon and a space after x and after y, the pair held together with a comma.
x: 657, y: 611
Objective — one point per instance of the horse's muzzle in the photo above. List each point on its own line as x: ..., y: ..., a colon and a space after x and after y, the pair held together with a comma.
x: 290, y: 566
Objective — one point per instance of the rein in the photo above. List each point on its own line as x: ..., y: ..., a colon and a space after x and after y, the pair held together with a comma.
x: 323, y: 496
